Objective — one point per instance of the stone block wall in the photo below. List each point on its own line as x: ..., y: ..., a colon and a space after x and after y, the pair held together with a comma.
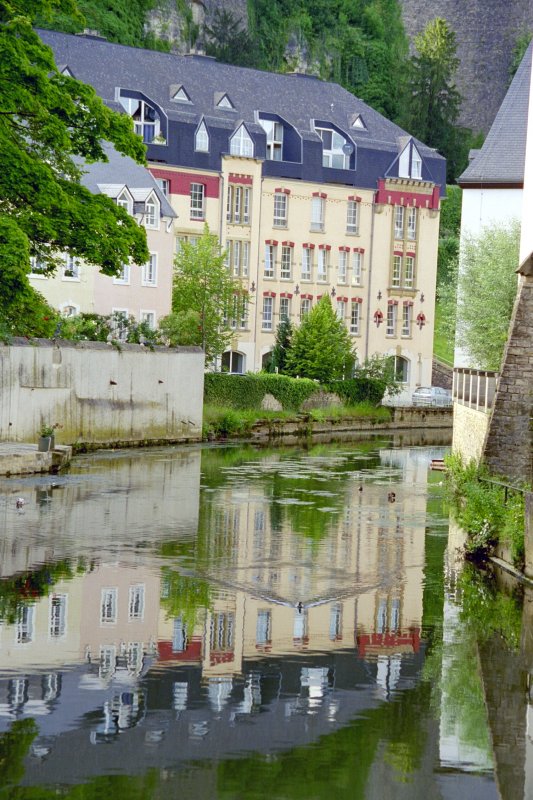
x: 508, y: 444
x: 469, y: 431
x: 99, y: 394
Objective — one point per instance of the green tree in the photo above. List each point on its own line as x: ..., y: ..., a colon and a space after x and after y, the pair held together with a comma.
x: 204, y: 297
x: 321, y: 348
x: 50, y: 124
x: 228, y: 40
x: 434, y: 101
x: 282, y: 345
x: 449, y: 232
x: 486, y: 293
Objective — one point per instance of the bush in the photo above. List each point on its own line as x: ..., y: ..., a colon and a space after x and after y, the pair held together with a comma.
x: 247, y: 391
x: 359, y: 390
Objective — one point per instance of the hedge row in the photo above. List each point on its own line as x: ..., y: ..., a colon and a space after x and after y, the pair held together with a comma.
x: 247, y: 391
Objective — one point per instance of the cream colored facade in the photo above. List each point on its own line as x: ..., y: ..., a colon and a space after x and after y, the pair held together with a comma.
x: 357, y: 251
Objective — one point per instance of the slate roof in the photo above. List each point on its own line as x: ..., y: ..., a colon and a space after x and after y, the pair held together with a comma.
x: 119, y: 171
x: 299, y: 99
x: 501, y: 160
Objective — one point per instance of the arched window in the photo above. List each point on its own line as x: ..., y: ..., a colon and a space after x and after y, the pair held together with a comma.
x: 336, y: 149
x: 124, y: 201
x: 69, y: 310
x: 201, y: 139
x: 401, y: 368
x: 151, y: 212
x: 233, y: 362
x: 241, y: 143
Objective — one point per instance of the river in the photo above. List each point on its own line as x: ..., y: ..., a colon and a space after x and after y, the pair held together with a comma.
x: 237, y: 623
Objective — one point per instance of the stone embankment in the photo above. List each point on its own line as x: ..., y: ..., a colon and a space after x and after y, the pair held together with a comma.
x: 20, y: 458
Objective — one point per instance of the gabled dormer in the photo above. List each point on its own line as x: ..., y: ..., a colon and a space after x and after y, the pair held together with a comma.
x: 409, y: 163
x: 201, y: 138
x: 223, y: 100
x: 338, y: 150
x: 66, y: 71
x: 241, y: 143
x: 357, y: 122
x: 149, y: 119
x: 283, y: 142
x: 179, y: 94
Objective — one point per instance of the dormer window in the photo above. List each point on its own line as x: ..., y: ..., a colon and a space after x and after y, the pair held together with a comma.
x: 358, y: 122
x: 124, y: 201
x: 225, y: 102
x: 181, y: 96
x: 151, y: 212
x: 66, y: 72
x: 201, y: 138
x: 241, y: 143
x: 274, y: 139
x: 336, y: 150
x: 410, y: 164
x: 146, y: 120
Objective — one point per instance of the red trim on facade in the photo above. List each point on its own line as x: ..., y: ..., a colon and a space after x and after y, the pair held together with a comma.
x: 282, y: 190
x: 398, y: 252
x: 319, y: 296
x: 193, y: 651
x: 286, y: 294
x: 180, y: 183
x: 355, y: 198
x: 344, y: 249
x: 392, y: 302
x: 221, y: 658
x: 408, y: 303
x: 271, y: 241
x: 388, y: 640
x: 342, y: 299
x: 402, y: 197
x: 245, y: 179
x: 288, y: 244
x: 269, y: 294
x: 310, y: 245
x: 357, y: 299
x: 167, y: 175
x: 359, y: 249
x: 306, y: 296
x: 324, y: 247
x: 323, y: 195
x: 410, y: 253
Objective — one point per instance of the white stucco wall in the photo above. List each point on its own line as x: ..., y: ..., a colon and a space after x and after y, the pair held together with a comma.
x: 469, y: 429
x: 99, y: 394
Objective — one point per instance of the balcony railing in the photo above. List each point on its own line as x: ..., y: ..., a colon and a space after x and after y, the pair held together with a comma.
x: 474, y: 388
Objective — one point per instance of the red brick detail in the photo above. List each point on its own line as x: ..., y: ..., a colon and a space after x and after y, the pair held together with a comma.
x: 269, y: 294
x: 286, y: 294
x: 310, y: 245
x: 342, y: 299
x: 344, y: 249
x: 396, y: 198
x: 180, y: 183
x: 392, y: 302
x: 271, y: 241
x: 355, y: 198
x: 410, y: 253
x: 357, y: 299
x: 288, y: 244
x: 359, y: 249
x: 324, y: 247
x: 408, y: 303
x: 323, y: 195
x: 398, y: 252
x: 281, y: 190
x: 306, y: 296
x: 247, y: 180
x: 388, y: 640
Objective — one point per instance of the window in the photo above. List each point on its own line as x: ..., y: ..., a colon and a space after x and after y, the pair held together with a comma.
x: 410, y: 163
x: 233, y: 362
x: 392, y: 318
x: 274, y: 139
x: 340, y: 309
x: 145, y: 120
x: 71, y: 270
x: 401, y: 368
x: 263, y: 633
x: 241, y: 143
x: 181, y: 240
x: 108, y: 606
x: 333, y: 145
x: 317, y: 214
x: 399, y: 216
x: 411, y: 223
x: 136, y: 602
x: 268, y: 313
x: 307, y: 263
x: 335, y: 622
x: 397, y: 262
x: 357, y: 268
x: 149, y: 318
x: 305, y: 307
x: 25, y: 624
x: 352, y: 217
x: 197, y: 201
x: 284, y: 308
x: 238, y: 208
x: 416, y: 164
x: 322, y: 268
x: 124, y: 275
x: 108, y: 658
x: 225, y: 102
x: 270, y: 261
x: 407, y: 319
x: 124, y: 201
x: 69, y: 310
x: 58, y: 615
x: 286, y: 262
x: 164, y: 185
x: 222, y: 630
x: 355, y: 318
x: 119, y: 323
x: 409, y: 275
x: 37, y: 266
x: 201, y: 138
x: 238, y: 257
x: 151, y: 213
x: 342, y: 270
x: 149, y: 271
x: 181, y: 96
x: 280, y: 210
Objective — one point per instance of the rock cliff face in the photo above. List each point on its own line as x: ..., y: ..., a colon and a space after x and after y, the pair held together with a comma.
x: 486, y: 32
x: 167, y: 22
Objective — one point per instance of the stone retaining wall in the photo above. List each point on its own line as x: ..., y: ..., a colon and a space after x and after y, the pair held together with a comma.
x: 100, y: 394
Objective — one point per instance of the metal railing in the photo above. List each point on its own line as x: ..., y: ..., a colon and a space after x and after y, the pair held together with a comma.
x: 475, y: 388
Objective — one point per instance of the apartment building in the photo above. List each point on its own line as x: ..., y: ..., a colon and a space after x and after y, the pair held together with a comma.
x: 310, y: 190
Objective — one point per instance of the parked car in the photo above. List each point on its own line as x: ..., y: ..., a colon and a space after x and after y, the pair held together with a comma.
x: 432, y: 396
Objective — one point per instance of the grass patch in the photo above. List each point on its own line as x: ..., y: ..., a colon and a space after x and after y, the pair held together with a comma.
x: 359, y: 411
x: 442, y: 346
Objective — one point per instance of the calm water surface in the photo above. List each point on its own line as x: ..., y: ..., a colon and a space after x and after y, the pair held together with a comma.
x: 227, y: 622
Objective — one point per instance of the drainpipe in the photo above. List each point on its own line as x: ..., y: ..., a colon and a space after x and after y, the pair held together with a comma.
x: 370, y: 256
x: 256, y: 315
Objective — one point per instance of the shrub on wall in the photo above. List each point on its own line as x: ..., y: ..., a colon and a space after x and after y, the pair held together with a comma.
x: 359, y: 390
x: 247, y: 391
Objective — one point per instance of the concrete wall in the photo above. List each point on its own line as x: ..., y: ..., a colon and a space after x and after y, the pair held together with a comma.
x: 469, y: 430
x: 99, y: 394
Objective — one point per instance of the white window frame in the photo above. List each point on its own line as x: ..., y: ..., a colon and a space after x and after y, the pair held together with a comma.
x: 119, y: 329
x: 270, y: 261
x: 164, y: 185
x: 352, y: 217
x: 357, y: 269
x: 392, y: 319
x: 281, y: 206
x: 197, y: 201
x: 317, y: 213
x: 284, y: 308
x: 37, y: 267
x: 409, y: 272
x: 342, y: 267
x: 306, y: 305
x: 67, y: 307
x: 149, y: 316
x: 322, y: 266
x: 142, y: 126
x: 57, y: 615
x: 136, y: 600
x: 72, y: 265
x: 416, y: 164
x: 151, y: 213
x: 333, y: 156
x: 274, y: 139
x: 407, y: 320
x: 25, y: 625
x: 399, y: 222
x: 307, y: 264
x: 267, y: 323
x: 109, y: 605
x: 124, y: 278
x: 149, y: 271
x: 285, y: 272
x: 241, y: 143
x: 201, y: 138
x: 340, y: 309
x: 125, y: 201
x: 397, y: 271
x: 355, y: 318
x: 411, y: 223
